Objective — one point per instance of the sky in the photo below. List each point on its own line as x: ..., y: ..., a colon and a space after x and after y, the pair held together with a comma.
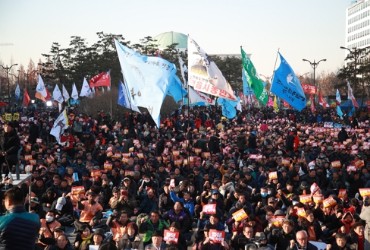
x: 310, y: 29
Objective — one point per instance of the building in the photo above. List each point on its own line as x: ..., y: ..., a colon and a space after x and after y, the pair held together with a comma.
x: 358, y: 25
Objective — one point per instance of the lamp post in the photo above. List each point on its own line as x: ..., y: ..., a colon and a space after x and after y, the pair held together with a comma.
x: 314, y: 65
x: 7, y: 76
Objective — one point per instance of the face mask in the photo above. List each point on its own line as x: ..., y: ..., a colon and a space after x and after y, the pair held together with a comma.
x: 49, y: 218
x: 264, y: 195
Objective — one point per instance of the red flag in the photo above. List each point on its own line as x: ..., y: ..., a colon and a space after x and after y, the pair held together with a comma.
x: 313, y: 109
x: 322, y: 101
x: 101, y: 80
x: 26, y: 99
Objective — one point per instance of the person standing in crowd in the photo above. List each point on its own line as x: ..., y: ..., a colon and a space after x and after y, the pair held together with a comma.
x: 342, y: 135
x: 9, y: 147
x: 18, y: 229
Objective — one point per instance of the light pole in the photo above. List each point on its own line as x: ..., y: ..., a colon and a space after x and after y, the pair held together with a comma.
x: 314, y: 65
x: 7, y: 76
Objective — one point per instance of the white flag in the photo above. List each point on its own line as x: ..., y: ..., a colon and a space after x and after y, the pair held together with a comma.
x: 57, y: 95
x: 196, y: 97
x: 41, y: 92
x: 60, y: 124
x: 86, y: 90
x: 147, y: 78
x: 74, y: 92
x: 65, y: 93
x: 204, y: 75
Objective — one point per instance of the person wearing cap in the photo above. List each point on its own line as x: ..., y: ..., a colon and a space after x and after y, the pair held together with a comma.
x: 157, y: 242
x: 18, y: 228
x: 91, y: 211
x: 97, y: 238
x: 281, y: 238
x: 9, y: 147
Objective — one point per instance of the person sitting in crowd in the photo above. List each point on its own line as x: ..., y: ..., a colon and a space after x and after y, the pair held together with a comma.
x: 287, y: 174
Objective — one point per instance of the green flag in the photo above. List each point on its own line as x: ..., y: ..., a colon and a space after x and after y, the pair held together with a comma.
x: 253, y: 80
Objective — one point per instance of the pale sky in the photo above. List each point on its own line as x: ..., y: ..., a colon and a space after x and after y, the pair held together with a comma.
x: 311, y: 29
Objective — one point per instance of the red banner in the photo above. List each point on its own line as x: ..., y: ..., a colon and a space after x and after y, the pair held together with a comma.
x: 309, y: 89
x: 101, y: 80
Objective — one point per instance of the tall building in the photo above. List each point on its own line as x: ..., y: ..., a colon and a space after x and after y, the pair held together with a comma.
x: 358, y: 24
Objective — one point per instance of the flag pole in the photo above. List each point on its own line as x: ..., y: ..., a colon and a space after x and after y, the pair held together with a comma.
x: 273, y: 74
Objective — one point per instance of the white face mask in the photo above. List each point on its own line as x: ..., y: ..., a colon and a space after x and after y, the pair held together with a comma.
x: 49, y: 218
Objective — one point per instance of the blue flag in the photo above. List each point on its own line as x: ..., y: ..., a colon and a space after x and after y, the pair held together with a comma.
x: 176, y: 90
x: 147, y: 78
x: 228, y: 107
x: 247, y: 91
x: 123, y: 98
x: 352, y: 111
x: 17, y: 92
x: 286, y: 85
x: 339, y: 112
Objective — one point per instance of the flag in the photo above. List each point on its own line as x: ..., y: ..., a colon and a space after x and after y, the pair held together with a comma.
x: 57, y: 95
x: 183, y: 70
x: 123, y: 98
x: 26, y: 99
x: 65, y: 93
x: 74, y: 92
x: 17, y: 92
x: 351, y: 96
x: 86, y: 90
x: 253, y: 80
x: 204, y: 75
x: 176, y: 90
x: 101, y: 80
x: 339, y: 111
x: 276, y: 105
x: 313, y: 109
x: 286, y: 85
x: 270, y: 102
x: 41, y: 92
x: 228, y: 107
x: 147, y: 78
x: 352, y: 111
x: 337, y: 97
x: 199, y: 98
x: 322, y: 101
x: 247, y: 91
x: 60, y: 124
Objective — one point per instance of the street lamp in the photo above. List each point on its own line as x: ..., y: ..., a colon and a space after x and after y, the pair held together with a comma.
x: 314, y: 65
x: 7, y: 76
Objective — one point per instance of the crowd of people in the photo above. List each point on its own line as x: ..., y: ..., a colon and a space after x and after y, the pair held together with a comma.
x: 268, y: 180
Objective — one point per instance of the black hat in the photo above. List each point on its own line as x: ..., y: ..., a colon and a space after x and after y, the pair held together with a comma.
x: 99, y: 231
x: 157, y: 234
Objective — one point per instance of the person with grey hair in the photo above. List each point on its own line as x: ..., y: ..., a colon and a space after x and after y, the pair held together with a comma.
x: 301, y: 242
